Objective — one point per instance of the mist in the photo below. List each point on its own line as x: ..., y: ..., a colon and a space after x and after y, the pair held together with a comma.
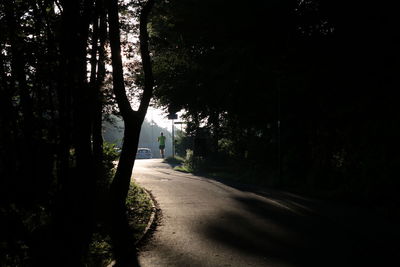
x: 113, y: 131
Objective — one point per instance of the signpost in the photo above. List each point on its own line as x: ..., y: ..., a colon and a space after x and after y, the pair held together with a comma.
x: 173, y: 116
x: 180, y: 122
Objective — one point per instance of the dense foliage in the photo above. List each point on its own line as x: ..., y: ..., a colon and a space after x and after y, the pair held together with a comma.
x: 303, y: 91
x: 53, y: 97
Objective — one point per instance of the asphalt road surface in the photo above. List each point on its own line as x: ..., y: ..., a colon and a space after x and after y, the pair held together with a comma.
x: 206, y: 222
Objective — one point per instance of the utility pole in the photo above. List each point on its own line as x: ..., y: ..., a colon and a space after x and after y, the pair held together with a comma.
x: 279, y: 132
x: 152, y: 135
x: 173, y: 139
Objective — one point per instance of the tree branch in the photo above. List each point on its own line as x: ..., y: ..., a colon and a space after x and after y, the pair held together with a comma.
x: 146, y: 61
x: 118, y: 74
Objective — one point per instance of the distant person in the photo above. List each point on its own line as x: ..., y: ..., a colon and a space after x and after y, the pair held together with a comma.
x: 161, y: 140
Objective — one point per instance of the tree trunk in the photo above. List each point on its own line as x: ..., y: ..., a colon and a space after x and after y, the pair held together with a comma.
x: 122, y: 239
x: 74, y: 219
x: 8, y: 133
x: 19, y: 84
x: 96, y: 82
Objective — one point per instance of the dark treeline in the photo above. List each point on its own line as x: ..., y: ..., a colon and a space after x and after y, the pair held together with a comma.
x: 54, y: 91
x: 300, y: 93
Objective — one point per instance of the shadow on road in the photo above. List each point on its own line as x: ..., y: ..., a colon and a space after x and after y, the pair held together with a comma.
x: 286, y: 228
x: 298, y: 239
x: 166, y: 254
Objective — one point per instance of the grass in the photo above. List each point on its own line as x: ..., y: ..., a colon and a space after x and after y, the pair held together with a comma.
x: 183, y: 168
x: 231, y: 171
x: 100, y: 253
x: 139, y: 210
x: 174, y: 160
x: 178, y: 164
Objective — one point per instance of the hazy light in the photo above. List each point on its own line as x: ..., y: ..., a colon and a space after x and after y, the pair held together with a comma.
x: 160, y: 118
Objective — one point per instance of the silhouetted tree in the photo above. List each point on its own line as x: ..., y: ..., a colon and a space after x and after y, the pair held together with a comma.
x: 123, y: 243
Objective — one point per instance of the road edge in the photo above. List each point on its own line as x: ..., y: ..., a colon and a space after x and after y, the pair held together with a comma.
x: 152, y: 222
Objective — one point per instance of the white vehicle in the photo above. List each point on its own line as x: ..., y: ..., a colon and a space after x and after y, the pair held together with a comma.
x: 143, y: 153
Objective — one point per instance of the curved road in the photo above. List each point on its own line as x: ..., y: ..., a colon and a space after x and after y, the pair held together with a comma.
x: 210, y: 223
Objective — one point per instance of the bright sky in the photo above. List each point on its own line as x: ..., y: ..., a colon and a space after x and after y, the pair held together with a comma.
x: 158, y: 116
x: 161, y: 119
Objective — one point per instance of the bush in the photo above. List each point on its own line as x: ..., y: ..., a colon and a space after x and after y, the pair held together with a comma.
x: 189, y: 163
x: 110, y: 155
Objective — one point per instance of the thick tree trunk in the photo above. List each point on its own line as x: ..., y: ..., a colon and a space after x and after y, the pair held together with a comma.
x: 74, y: 218
x: 101, y: 73
x: 8, y: 130
x: 19, y: 84
x: 124, y: 250
x: 96, y: 82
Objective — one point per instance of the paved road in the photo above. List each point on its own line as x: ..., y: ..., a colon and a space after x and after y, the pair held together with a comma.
x: 208, y: 223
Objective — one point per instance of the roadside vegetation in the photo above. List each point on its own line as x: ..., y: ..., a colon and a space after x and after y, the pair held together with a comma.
x: 139, y: 210
x: 174, y: 161
x: 231, y: 168
x: 227, y: 169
